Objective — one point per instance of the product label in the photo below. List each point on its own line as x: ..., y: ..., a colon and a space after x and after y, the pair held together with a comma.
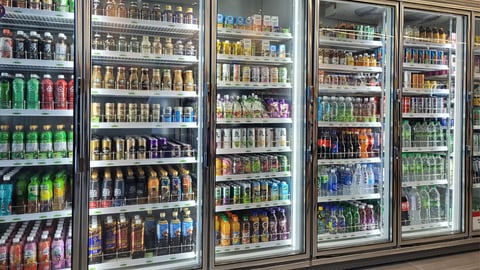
x: 175, y: 229
x: 162, y: 230
x: 187, y: 228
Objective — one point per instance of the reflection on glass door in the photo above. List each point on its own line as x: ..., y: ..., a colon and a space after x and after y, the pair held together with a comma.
x: 476, y: 130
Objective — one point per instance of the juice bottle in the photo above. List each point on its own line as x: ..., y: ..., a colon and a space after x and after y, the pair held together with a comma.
x: 225, y: 232
x: 18, y: 91
x: 141, y: 186
x: 3, y: 254
x: 245, y: 224
x: 5, y: 91
x: 31, y: 143
x: 58, y: 252
x: 162, y: 235
x: 137, y: 237
x: 217, y: 230
x: 235, y: 233
x: 164, y: 186
x: 71, y: 92
x: 94, y: 241
x: 282, y: 225
x: 46, y: 193
x: 61, y: 48
x: 18, y: 147
x: 46, y: 92
x: 60, y: 142
x: 107, y: 189
x: 16, y: 255
x: 70, y: 142
x: 68, y: 249
x: 363, y: 140
x: 60, y: 93
x: 264, y: 227
x: 153, y: 186
x: 43, y: 252
x: 187, y: 190
x: 109, y: 238
x: 187, y: 232
x: 4, y: 142
x: 33, y: 95
x: 59, y: 191
x: 46, y: 143
x: 21, y: 193
x: 33, y: 194
x: 123, y: 237
x: 255, y: 225
x: 175, y: 233
x: 150, y: 234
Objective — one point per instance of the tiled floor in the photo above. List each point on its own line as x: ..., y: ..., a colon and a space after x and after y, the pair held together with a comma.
x: 464, y: 261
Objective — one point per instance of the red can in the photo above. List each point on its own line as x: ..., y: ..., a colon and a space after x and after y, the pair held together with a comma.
x: 71, y: 93
x: 46, y: 100
x: 405, y: 105
x: 60, y: 93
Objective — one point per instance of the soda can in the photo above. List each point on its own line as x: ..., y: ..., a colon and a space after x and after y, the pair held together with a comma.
x: 132, y: 112
x: 243, y: 138
x: 121, y: 112
x: 415, y: 55
x: 236, y: 73
x: 246, y: 74
x: 264, y: 190
x: 260, y: 137
x: 225, y: 72
x: 406, y: 105
x: 225, y: 194
x: 218, y: 195
x: 174, y: 150
x: 141, y: 147
x: 226, y: 166
x: 440, y: 58
x: 219, y: 72
x: 246, y: 192
x: 282, y: 51
x: 109, y: 112
x: 167, y: 114
x: 218, y: 138
x: 237, y: 166
x: 433, y: 57
x: 152, y: 147
x: 119, y: 148
x: 144, y: 112
x: 177, y: 114
x: 281, y: 137
x: 247, y: 165
x: 155, y: 113
x: 264, y: 163
x: 256, y: 166
x: 95, y: 148
x: 421, y: 56
x: 269, y: 137
x: 218, y: 166
x: 130, y: 147
x: 273, y: 50
x: 106, y: 148
x: 283, y: 163
x: 226, y: 138
x: 274, y: 75
x: 251, y: 138
x: 273, y: 191
x: 236, y: 138
x: 236, y: 193
x: 408, y: 55
x: 282, y: 75
x: 327, y: 79
x: 255, y: 187
x: 264, y: 74
x: 188, y: 114
x: 273, y: 163
x: 96, y: 112
x: 255, y: 74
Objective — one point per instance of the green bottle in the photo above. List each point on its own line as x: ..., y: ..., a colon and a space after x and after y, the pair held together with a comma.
x: 18, y: 93
x: 33, y: 194
x: 33, y: 95
x: 21, y: 193
x: 18, y: 146
x: 60, y: 142
x: 356, y: 219
x: 70, y: 142
x: 46, y: 143
x: 46, y: 193
x: 31, y: 144
x: 349, y: 219
x: 59, y: 191
x: 5, y: 91
x: 4, y: 142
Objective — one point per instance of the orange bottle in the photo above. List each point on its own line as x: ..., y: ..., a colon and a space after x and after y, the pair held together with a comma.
x: 363, y: 140
x: 43, y: 256
x: 225, y: 232
x: 235, y: 233
x: 153, y: 185
x: 16, y: 255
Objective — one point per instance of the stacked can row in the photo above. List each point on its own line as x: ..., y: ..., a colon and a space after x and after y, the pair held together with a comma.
x: 363, y: 79
x: 60, y: 5
x: 424, y: 105
x: 242, y: 138
x: 249, y: 47
x: 251, y: 106
x: 421, y: 56
x: 245, y: 73
x: 246, y: 164
x: 339, y: 57
x: 256, y: 22
x: 350, y: 31
x: 253, y: 191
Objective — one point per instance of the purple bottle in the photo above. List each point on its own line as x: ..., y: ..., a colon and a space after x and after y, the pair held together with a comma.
x: 283, y: 232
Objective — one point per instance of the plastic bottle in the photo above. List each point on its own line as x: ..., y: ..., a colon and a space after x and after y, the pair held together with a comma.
x: 332, y: 183
x: 18, y: 91
x: 18, y: 146
x: 162, y: 235
x: 415, y: 204
x: 176, y: 233
x: 341, y: 113
x: 370, y: 180
x: 46, y: 193
x: 264, y: 227
x: 245, y: 230
x: 119, y: 189
x: 333, y: 109
x: 363, y: 217
x: 68, y: 249
x: 357, y: 180
x: 425, y: 210
x: 342, y: 224
x: 43, y: 256
x: 107, y: 189
x: 30, y: 254
x: 370, y: 216
x: 349, y: 223
x: 435, y: 207
x: 61, y: 48
x: 123, y: 242
x: 225, y: 232
x: 349, y: 117
x: 3, y: 254
x: 321, y: 225
x: 150, y: 235
x: 5, y: 91
x: 59, y: 188
x: 16, y: 255
x: 333, y: 221
x: 188, y: 232
x: 406, y: 134
x: 235, y: 231
x: 363, y: 140
x: 356, y: 218
x: 255, y: 225
x: 137, y: 231
x: 334, y: 145
x: 273, y: 226
x: 60, y: 142
x: 20, y: 42
x: 326, y: 109
x: 58, y: 252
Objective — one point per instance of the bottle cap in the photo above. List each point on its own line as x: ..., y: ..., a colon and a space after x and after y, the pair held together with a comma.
x: 47, y: 76
x: 61, y: 76
x: 19, y: 75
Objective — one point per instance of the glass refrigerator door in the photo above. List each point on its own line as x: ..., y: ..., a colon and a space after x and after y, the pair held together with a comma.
x: 354, y: 114
x: 146, y: 117
x: 36, y: 137
x: 432, y: 124
x: 260, y: 85
x: 476, y: 131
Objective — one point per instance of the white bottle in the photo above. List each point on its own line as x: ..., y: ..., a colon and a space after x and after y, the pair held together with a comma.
x: 61, y: 48
x: 146, y: 45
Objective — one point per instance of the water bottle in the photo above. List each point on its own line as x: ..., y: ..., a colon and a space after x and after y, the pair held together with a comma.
x: 323, y: 180
x: 440, y: 138
x: 427, y: 168
x: 332, y: 183
x: 349, y: 110
x: 326, y: 108
x: 415, y: 206
x: 440, y: 162
x: 357, y: 180
x: 432, y: 134
x: 406, y: 134
x: 372, y: 110
x: 364, y: 179
x: 341, y: 225
x: 347, y: 181
x: 425, y: 205
x: 405, y: 168
x: 435, y: 214
x: 417, y: 135
x: 370, y: 180
x: 341, y: 110
x: 418, y: 167
x: 333, y: 221
x: 333, y: 109
x: 320, y: 109
x: 357, y: 110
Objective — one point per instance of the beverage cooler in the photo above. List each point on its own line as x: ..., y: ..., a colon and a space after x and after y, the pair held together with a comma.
x: 476, y: 130
x: 353, y: 153
x: 433, y: 122
x: 146, y: 115
x: 258, y: 200
x: 36, y: 134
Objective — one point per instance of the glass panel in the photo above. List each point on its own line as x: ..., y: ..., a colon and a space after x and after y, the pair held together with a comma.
x: 260, y: 128
x: 432, y: 150
x: 146, y: 118
x: 36, y: 134
x: 355, y: 66
x: 476, y: 129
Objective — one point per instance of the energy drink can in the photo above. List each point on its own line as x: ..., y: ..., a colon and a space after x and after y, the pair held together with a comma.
x: 281, y: 137
x: 141, y: 147
x: 225, y: 194
x: 109, y: 112
x: 243, y: 138
x: 106, y: 148
x: 96, y: 112
x: 282, y: 75
x: 264, y: 74
x: 256, y: 165
x: 218, y: 138
x: 282, y: 51
x: 95, y: 148
x: 433, y: 57
x: 218, y: 195
x: 219, y: 72
x: 226, y: 166
x: 177, y: 114
x: 246, y: 192
x: 119, y: 148
x: 121, y: 112
x: 155, y: 113
x: 167, y: 114
x: 256, y: 191
x: 218, y: 166
x: 415, y: 55
x: 188, y: 114
x: 132, y: 112
x: 246, y: 74
x: 130, y: 147
x: 237, y: 166
x: 264, y: 163
x: 236, y: 193
x: 251, y: 138
x: 174, y: 150
x: 236, y: 73
x: 282, y: 163
x: 226, y: 138
x: 247, y: 165
x: 273, y: 191
x: 269, y: 137
x: 440, y: 58
x: 260, y: 137
x: 152, y: 147
x: 236, y: 138
x: 226, y: 72
x: 408, y: 55
x: 264, y: 190
x: 273, y: 163
x: 255, y: 74
x: 421, y: 56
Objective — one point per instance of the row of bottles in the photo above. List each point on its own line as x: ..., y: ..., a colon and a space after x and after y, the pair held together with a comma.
x: 349, y: 179
x: 129, y: 186
x: 140, y: 236
x: 34, y: 144
x: 256, y: 22
x: 350, y: 31
x: 249, y: 47
x: 424, y: 134
x: 242, y: 138
x: 357, y: 80
x: 52, y: 5
x: 339, y: 57
x: 246, y: 164
x: 254, y: 74
x: 251, y: 106
x: 423, y: 167
x: 421, y: 205
x: 244, y: 192
x: 140, y: 79
x: 254, y: 226
x: 348, y: 143
x: 348, y: 109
